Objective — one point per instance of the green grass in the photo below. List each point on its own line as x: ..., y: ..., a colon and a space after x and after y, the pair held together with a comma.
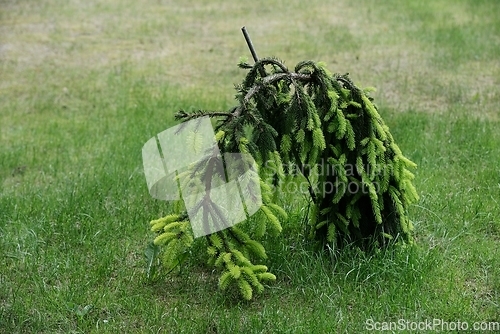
x: 85, y: 84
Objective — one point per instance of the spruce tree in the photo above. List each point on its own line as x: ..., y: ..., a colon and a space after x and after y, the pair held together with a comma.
x: 307, y: 120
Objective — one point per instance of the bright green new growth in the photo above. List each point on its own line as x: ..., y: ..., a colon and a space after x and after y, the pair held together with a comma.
x: 323, y: 126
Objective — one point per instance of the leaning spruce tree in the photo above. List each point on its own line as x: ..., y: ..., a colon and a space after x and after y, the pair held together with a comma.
x: 309, y: 122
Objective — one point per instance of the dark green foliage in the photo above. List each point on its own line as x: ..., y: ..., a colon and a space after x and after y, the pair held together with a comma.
x: 324, y: 126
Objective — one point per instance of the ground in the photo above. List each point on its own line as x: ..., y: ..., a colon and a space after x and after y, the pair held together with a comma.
x: 84, y: 84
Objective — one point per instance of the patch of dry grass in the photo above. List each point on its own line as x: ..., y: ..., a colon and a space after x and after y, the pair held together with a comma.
x: 196, y: 44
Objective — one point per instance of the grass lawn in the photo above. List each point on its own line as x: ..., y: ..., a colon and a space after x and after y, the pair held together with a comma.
x: 84, y: 84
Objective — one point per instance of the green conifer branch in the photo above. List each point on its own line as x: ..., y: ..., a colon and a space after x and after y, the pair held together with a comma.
x: 303, y: 117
